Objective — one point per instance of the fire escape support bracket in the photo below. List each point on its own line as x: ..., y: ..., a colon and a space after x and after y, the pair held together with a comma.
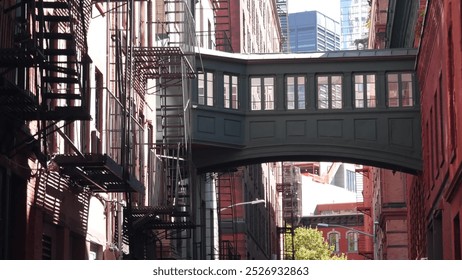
x: 69, y: 140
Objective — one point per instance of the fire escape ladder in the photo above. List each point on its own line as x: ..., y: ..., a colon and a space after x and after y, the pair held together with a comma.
x: 222, y: 25
x: 116, y: 171
x: 286, y: 187
x: 169, y: 63
x: 17, y: 54
x: 226, y: 216
x: 50, y: 41
x: 61, y: 59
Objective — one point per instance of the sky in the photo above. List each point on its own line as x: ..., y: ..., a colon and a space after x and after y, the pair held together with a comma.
x: 330, y: 8
x: 316, y: 193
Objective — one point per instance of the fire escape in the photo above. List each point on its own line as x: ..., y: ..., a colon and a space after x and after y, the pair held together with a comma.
x: 287, y: 187
x: 227, y: 228
x: 222, y: 17
x: 58, y: 48
x: 49, y: 51
x: 281, y: 6
x: 163, y: 229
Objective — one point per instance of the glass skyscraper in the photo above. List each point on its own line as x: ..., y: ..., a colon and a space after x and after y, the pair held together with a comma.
x: 354, y: 15
x: 313, y: 31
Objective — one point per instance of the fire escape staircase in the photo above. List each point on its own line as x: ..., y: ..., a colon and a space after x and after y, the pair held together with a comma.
x: 285, y: 188
x: 171, y: 64
x: 51, y: 48
x: 64, y: 71
x: 226, y: 217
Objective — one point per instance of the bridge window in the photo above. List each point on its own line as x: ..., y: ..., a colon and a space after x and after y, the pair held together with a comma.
x: 295, y: 92
x: 205, y: 89
x: 262, y: 93
x: 231, y: 91
x: 400, y: 90
x: 365, y: 91
x: 329, y: 92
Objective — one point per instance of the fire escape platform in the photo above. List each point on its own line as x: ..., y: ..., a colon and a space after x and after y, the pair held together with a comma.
x: 159, y: 217
x: 98, y: 172
x: 16, y: 101
x: 24, y: 105
x: 165, y: 62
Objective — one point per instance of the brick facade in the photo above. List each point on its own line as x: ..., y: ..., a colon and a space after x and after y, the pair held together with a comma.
x: 440, y: 74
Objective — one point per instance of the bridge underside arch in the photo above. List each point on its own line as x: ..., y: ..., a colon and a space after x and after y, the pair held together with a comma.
x: 210, y: 159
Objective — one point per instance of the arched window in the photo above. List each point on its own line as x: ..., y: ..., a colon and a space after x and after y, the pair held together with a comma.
x: 352, y: 239
x: 333, y: 239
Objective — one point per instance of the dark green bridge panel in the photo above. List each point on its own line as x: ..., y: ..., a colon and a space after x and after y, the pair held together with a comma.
x: 384, y: 135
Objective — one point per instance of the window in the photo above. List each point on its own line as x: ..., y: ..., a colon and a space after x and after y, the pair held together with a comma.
x: 329, y: 92
x: 333, y: 240
x: 352, y: 239
x: 262, y: 93
x: 295, y: 92
x: 365, y: 91
x: 351, y: 181
x: 457, y: 245
x: 205, y: 89
x: 231, y: 92
x: 400, y: 90
x: 47, y: 247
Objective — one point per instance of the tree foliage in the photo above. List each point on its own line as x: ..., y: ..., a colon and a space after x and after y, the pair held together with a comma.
x: 309, y: 244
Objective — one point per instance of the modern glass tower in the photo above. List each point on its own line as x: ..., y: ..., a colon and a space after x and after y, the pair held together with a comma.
x: 313, y: 31
x: 354, y: 15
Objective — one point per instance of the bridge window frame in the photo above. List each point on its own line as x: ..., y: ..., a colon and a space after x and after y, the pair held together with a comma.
x: 331, y: 99
x: 262, y: 93
x: 400, y: 89
x: 296, y: 92
x: 231, y: 91
x: 205, y: 85
x: 365, y: 91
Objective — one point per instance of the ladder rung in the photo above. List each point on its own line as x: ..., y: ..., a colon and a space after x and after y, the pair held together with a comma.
x: 57, y: 36
x: 60, y: 80
x: 55, y: 68
x: 52, y: 5
x: 59, y: 52
x: 67, y: 96
x: 53, y: 18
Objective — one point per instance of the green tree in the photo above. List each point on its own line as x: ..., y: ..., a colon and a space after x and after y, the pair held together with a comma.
x: 309, y: 244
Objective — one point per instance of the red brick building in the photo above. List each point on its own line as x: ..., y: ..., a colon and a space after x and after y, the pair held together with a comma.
x: 389, y: 212
x: 246, y: 230
x: 432, y: 199
x: 348, y: 230
x: 439, y: 69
